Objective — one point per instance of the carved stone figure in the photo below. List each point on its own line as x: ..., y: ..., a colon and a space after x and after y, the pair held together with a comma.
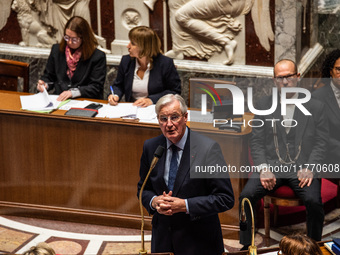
x: 202, y: 27
x: 5, y: 11
x: 56, y: 13
x: 29, y: 24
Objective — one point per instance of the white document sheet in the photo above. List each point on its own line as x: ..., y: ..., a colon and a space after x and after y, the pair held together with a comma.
x: 147, y: 113
x: 75, y: 104
x: 120, y: 110
x: 39, y: 102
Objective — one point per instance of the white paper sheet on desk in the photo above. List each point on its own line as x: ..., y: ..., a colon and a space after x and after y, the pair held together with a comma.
x: 75, y: 104
x: 39, y: 102
x: 117, y: 111
x: 147, y: 114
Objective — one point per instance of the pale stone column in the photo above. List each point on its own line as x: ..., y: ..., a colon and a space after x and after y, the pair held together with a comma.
x: 128, y: 14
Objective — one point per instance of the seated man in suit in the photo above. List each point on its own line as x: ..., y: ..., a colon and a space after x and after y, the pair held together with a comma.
x: 185, y: 209
x: 291, y: 147
x: 330, y: 96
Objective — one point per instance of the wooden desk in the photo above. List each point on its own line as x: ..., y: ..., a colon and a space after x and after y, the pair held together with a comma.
x: 85, y: 169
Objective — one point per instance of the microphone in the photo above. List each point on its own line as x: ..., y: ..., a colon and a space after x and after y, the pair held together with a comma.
x: 243, y: 225
x: 158, y: 153
x: 243, y: 220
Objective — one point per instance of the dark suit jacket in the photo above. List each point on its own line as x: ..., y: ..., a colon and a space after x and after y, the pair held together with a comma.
x: 163, y: 78
x: 89, y: 76
x: 332, y: 112
x: 311, y: 132
x: 198, y: 232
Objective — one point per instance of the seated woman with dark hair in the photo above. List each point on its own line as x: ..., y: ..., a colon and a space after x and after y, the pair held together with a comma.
x: 75, y: 67
x: 297, y: 244
x: 145, y: 75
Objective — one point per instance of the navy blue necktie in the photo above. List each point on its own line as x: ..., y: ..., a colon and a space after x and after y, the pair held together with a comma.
x: 173, y: 167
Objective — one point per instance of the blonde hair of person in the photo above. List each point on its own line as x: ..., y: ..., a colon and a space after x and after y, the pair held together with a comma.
x: 40, y: 249
x: 82, y: 28
x: 148, y: 42
x: 297, y: 244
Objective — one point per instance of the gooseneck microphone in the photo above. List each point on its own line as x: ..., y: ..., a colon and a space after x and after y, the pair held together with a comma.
x: 158, y: 153
x: 252, y: 250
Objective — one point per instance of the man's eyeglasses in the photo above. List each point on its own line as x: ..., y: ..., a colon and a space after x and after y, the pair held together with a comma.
x: 73, y: 39
x: 289, y: 78
x: 337, y: 69
x: 173, y: 118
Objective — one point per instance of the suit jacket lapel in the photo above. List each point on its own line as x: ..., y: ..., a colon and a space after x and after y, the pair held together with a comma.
x: 129, y: 79
x: 79, y: 71
x: 184, y: 166
x: 301, y: 124
x: 332, y: 103
x: 160, y: 168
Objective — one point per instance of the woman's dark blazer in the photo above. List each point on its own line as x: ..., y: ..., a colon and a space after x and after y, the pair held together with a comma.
x: 89, y: 76
x: 163, y: 78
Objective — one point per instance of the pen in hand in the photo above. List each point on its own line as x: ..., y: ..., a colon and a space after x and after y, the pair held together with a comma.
x: 114, y: 99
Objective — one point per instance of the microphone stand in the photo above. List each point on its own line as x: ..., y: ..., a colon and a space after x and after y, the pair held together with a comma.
x: 157, y: 155
x: 252, y: 250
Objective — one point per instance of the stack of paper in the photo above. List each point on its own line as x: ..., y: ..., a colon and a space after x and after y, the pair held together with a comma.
x: 128, y: 111
x: 41, y: 102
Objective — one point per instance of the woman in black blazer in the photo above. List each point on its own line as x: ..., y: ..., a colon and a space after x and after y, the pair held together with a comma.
x: 75, y: 67
x: 145, y: 75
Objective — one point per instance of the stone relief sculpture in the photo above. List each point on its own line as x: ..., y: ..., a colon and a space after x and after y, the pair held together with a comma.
x: 44, y: 20
x: 5, y: 11
x: 131, y: 18
x: 29, y: 24
x: 56, y: 13
x: 260, y: 13
x: 202, y: 27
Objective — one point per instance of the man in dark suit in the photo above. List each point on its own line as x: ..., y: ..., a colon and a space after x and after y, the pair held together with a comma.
x: 185, y: 209
x: 330, y: 96
x: 282, y: 153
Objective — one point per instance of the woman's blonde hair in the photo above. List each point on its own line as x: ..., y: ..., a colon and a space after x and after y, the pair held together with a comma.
x: 40, y: 249
x: 82, y: 28
x: 147, y: 40
x: 297, y: 244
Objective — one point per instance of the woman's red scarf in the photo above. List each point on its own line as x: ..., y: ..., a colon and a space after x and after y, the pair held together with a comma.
x: 72, y: 60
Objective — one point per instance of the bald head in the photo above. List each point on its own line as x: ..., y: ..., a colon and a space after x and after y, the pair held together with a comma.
x: 285, y: 64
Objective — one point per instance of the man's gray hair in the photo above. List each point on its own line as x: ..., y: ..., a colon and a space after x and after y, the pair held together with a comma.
x: 170, y: 98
